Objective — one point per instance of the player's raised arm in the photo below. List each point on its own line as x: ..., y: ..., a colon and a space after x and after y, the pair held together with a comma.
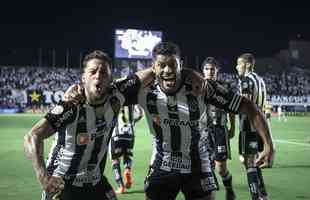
x: 146, y: 76
x: 223, y: 98
x: 259, y: 121
x: 195, y: 79
x: 232, y: 123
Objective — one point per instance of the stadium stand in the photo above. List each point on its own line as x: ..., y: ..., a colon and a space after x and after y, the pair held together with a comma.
x: 23, y: 88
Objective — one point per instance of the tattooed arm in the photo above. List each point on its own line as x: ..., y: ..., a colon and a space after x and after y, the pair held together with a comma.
x: 34, y: 150
x: 146, y: 76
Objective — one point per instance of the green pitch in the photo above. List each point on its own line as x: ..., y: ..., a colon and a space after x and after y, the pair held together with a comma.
x: 289, y: 179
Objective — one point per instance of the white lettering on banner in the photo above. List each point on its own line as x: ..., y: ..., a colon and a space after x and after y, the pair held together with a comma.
x: 289, y: 100
x: 48, y: 96
x: 59, y: 95
x: 19, y: 95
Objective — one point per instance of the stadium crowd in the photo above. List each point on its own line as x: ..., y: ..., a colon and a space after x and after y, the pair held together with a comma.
x: 287, y: 87
x: 33, y: 78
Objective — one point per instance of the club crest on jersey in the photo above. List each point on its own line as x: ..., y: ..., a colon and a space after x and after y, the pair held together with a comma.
x: 156, y: 119
x: 245, y: 85
x: 116, y: 105
x: 83, y: 139
x: 57, y: 110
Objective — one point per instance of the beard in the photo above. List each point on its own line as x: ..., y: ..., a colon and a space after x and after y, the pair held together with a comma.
x: 96, y: 92
x: 169, y: 84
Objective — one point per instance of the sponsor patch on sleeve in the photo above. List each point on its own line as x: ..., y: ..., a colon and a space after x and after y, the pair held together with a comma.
x: 57, y: 110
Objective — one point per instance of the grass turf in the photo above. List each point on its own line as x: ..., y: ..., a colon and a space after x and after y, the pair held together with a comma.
x: 288, y: 179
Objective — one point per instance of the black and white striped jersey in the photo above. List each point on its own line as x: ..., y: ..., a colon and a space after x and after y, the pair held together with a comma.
x: 174, y: 121
x: 125, y: 122
x: 83, y: 133
x: 253, y: 87
x: 215, y: 116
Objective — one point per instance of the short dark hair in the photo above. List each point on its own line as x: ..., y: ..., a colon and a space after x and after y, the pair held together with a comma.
x: 97, y: 54
x: 211, y: 61
x: 167, y: 49
x: 248, y: 57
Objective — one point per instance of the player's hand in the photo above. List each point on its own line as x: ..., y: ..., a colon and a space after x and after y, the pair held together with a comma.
x: 52, y: 184
x: 196, y: 80
x: 75, y: 94
x: 266, y: 158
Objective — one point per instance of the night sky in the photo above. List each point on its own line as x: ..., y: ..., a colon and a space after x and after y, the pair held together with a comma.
x: 200, y: 30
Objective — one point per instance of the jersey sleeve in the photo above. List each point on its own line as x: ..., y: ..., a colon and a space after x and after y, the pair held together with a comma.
x: 61, y: 115
x: 129, y: 88
x: 222, y: 97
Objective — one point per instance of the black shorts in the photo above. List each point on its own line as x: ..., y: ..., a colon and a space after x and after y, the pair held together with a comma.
x: 250, y: 143
x: 221, y: 143
x: 122, y: 145
x: 102, y: 191
x: 165, y: 185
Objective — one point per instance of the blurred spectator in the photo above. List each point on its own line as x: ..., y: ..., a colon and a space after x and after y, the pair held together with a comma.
x: 288, y: 87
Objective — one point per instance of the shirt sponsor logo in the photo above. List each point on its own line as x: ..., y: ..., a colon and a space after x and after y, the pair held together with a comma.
x: 175, y: 162
x: 88, y: 178
x: 64, y: 117
x: 208, y: 184
x: 177, y: 122
x: 221, y: 149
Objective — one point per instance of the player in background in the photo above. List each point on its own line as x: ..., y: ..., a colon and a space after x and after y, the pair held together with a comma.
x: 173, y: 105
x: 250, y: 143
x: 281, y: 113
x: 268, y: 112
x: 217, y: 130
x: 122, y: 143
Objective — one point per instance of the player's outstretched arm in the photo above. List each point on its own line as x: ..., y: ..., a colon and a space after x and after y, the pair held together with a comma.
x: 196, y: 80
x: 232, y: 125
x: 146, y: 76
x: 34, y: 150
x: 257, y: 118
